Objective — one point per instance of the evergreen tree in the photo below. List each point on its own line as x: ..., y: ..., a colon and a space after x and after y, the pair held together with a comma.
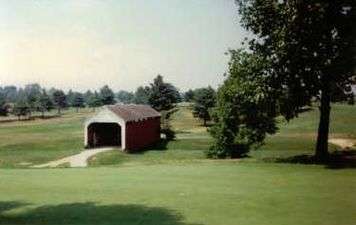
x: 163, y: 96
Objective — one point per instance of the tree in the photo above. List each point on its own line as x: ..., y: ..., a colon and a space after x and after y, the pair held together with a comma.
x: 59, y: 100
x: 94, y: 101
x: 189, y: 95
x: 71, y: 98
x: 32, y: 93
x: 21, y: 107
x: 125, y: 97
x: 204, y: 100
x: 11, y: 93
x: 107, y: 95
x: 45, y: 103
x: 87, y: 95
x: 142, y: 95
x: 3, y: 105
x: 163, y: 96
x: 311, y: 49
x: 245, y: 111
x: 78, y: 101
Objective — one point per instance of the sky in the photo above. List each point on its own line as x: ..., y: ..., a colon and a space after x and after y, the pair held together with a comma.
x: 85, y: 44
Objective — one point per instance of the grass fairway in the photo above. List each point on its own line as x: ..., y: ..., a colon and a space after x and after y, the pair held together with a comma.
x: 212, y: 193
x: 26, y: 143
x: 173, y: 184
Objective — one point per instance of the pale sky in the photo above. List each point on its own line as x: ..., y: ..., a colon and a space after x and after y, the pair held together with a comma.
x: 84, y: 44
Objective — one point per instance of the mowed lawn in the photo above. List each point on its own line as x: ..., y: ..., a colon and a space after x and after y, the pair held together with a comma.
x: 174, y: 183
x: 215, y: 193
x: 26, y: 143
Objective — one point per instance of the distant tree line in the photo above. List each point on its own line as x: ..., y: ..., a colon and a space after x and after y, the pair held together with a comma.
x: 23, y: 102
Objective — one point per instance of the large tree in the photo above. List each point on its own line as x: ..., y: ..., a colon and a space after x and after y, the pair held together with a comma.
x: 311, y: 49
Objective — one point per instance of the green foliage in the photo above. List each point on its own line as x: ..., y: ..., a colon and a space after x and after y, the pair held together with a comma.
x: 204, y: 100
x: 94, y: 101
x: 21, y: 107
x: 59, y: 100
x: 189, y: 95
x: 3, y: 105
x: 162, y: 95
x: 32, y: 94
x: 311, y: 49
x: 78, y: 101
x: 245, y: 107
x: 125, y: 97
x: 45, y: 103
x: 166, y: 127
x: 107, y: 95
x: 142, y: 95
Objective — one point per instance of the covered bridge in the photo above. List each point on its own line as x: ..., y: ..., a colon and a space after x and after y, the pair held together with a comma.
x: 132, y: 127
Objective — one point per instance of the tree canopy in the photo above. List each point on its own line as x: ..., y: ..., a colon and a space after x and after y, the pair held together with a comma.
x: 308, y: 48
x: 245, y: 111
x: 162, y: 95
x: 107, y: 95
x: 204, y: 100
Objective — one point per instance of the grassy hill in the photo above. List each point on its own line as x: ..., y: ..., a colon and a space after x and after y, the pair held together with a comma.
x: 173, y: 184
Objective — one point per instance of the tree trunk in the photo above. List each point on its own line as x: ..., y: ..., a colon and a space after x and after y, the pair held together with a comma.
x: 43, y: 114
x: 59, y: 110
x: 324, y: 122
x: 77, y: 109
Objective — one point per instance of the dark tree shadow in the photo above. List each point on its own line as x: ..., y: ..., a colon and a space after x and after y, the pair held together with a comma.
x: 161, y: 145
x: 336, y: 160
x: 89, y: 214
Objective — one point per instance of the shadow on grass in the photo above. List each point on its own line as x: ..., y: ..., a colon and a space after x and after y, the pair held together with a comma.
x: 159, y: 146
x: 89, y: 214
x: 336, y: 160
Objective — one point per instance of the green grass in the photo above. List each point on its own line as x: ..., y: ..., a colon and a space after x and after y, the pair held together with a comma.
x: 210, y: 193
x: 173, y: 184
x: 24, y: 143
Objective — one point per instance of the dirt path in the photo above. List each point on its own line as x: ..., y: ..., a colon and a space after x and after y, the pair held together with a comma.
x: 343, y: 143
x: 79, y: 160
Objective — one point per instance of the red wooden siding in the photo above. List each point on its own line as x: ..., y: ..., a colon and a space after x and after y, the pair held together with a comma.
x: 142, y: 134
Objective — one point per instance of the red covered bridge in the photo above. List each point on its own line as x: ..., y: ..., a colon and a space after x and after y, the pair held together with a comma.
x: 133, y: 127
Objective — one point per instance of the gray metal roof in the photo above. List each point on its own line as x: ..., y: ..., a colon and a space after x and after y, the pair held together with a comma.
x: 134, y: 112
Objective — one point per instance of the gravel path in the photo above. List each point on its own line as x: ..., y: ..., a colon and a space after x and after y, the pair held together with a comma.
x: 79, y: 160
